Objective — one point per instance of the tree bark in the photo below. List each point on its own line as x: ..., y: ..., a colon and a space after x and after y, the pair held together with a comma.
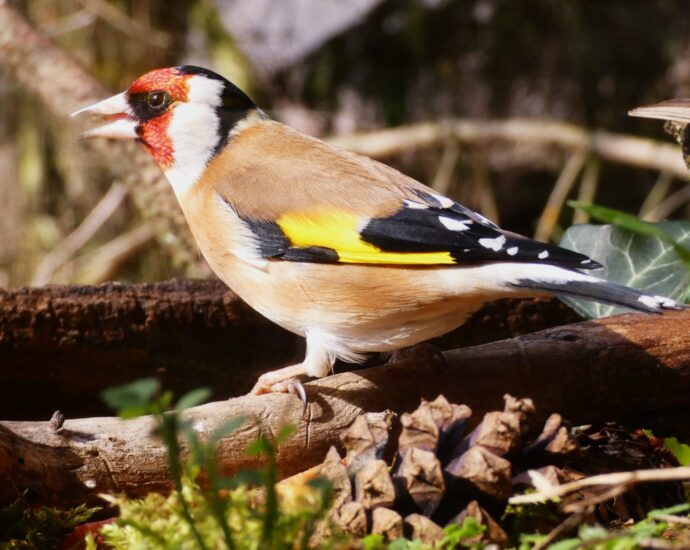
x: 61, y: 345
x: 589, y: 371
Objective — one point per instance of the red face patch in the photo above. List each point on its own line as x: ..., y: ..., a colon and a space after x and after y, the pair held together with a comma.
x: 171, y: 80
x: 154, y: 135
x: 154, y: 132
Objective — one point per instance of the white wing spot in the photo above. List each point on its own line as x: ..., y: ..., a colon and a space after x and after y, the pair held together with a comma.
x: 454, y: 225
x: 649, y: 301
x: 444, y: 201
x: 588, y: 261
x: 658, y: 302
x: 415, y: 205
x: 543, y: 255
x: 493, y: 244
x: 512, y: 251
x: 485, y: 220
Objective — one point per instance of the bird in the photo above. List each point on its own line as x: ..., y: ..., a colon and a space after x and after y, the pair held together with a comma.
x: 676, y: 114
x: 336, y: 247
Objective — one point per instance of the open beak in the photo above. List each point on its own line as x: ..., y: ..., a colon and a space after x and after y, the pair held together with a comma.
x: 677, y: 110
x: 117, y: 110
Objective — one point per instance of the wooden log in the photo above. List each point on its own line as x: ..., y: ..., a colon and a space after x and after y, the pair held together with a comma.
x: 61, y: 345
x: 589, y: 371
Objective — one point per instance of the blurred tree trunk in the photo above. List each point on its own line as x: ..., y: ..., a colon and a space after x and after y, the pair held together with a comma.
x: 10, y: 220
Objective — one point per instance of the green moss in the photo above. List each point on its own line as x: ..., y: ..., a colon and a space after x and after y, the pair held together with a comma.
x: 38, y: 527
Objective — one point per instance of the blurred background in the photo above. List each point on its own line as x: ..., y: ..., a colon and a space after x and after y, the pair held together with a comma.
x: 510, y: 107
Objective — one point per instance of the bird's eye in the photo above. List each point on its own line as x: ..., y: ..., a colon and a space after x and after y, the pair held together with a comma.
x: 158, y: 100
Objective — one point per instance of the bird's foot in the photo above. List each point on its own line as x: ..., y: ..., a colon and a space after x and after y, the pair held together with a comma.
x: 418, y: 351
x: 282, y: 381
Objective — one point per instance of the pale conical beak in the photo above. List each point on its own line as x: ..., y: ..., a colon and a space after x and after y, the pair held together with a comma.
x: 677, y: 110
x: 117, y: 109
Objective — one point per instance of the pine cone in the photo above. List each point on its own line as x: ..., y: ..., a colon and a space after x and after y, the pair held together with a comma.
x: 441, y: 474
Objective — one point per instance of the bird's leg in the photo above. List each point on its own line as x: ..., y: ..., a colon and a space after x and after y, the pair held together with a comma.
x: 279, y: 380
x: 317, y: 363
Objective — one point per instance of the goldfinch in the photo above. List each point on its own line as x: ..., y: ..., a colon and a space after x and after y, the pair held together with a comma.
x: 336, y: 247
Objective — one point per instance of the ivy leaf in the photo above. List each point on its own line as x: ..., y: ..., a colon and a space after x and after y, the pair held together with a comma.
x: 635, y: 225
x: 648, y: 262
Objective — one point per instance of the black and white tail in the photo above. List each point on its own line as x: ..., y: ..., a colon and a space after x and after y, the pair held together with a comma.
x: 563, y: 281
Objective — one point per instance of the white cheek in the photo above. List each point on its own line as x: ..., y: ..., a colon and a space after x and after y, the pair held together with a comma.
x: 205, y: 91
x: 193, y: 131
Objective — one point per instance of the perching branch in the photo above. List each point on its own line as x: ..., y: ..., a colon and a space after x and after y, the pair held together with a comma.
x: 590, y: 371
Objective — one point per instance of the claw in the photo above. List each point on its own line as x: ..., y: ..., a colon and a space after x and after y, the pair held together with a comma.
x: 291, y: 385
x: 295, y: 387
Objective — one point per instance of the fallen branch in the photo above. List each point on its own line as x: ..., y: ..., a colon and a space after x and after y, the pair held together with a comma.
x: 590, y: 371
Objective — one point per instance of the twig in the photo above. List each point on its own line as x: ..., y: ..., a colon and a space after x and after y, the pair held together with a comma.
x: 633, y: 151
x: 548, y: 491
x: 565, y: 182
x: 482, y: 182
x: 64, y: 250
x: 656, y: 195
x: 449, y: 160
x: 669, y: 518
x: 592, y: 500
x: 69, y: 23
x: 566, y: 525
x: 103, y: 264
x: 131, y: 27
x: 588, y: 188
x: 673, y: 202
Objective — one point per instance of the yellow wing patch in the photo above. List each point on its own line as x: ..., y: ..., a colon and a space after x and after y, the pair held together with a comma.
x: 338, y: 230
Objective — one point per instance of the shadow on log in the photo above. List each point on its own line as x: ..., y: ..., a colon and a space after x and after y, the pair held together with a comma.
x: 590, y: 371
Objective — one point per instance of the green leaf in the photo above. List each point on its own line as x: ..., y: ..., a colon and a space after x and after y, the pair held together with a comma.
x: 644, y: 262
x: 249, y: 477
x: 373, y: 542
x: 670, y: 511
x: 284, y: 433
x: 258, y: 447
x: 455, y: 533
x: 680, y: 450
x: 404, y: 544
x: 193, y: 398
x: 634, y: 225
x: 132, y: 398
x: 321, y: 484
x: 566, y: 544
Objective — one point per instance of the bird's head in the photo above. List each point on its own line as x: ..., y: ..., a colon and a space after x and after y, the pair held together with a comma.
x: 182, y: 115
